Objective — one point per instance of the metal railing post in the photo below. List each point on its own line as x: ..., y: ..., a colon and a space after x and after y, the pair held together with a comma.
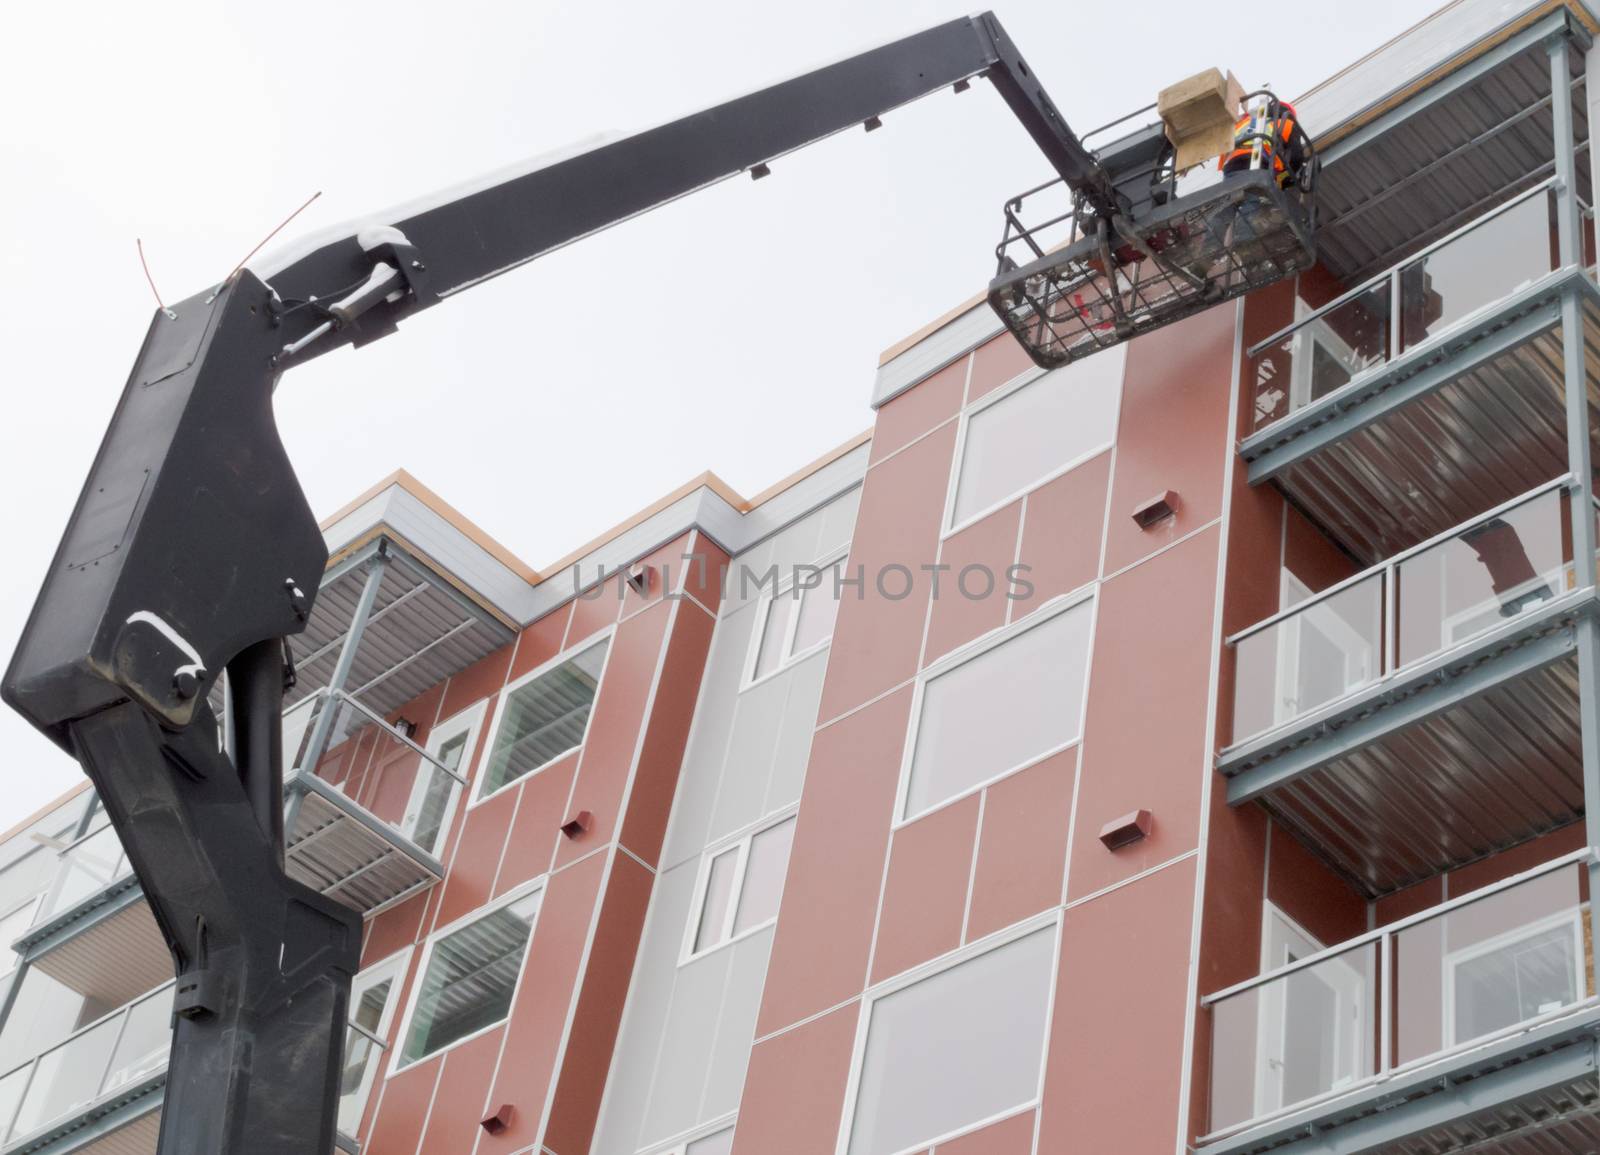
x: 323, y: 726
x: 1385, y: 1003
x: 1396, y: 315
x: 1579, y: 462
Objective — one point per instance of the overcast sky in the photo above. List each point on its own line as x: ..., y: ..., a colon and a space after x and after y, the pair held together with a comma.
x: 531, y: 404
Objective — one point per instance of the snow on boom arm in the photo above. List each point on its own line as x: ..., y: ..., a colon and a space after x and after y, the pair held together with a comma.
x: 192, y: 550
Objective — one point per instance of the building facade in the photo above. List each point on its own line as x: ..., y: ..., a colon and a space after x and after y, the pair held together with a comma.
x: 1187, y: 750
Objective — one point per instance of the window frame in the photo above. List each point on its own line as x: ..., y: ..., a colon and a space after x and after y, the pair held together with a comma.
x: 700, y: 1133
x: 1453, y: 961
x: 739, y: 843
x: 397, y: 1060
x: 948, y: 525
x: 606, y: 635
x: 395, y: 966
x: 1051, y: 920
x: 469, y: 722
x: 763, y: 607
x: 972, y: 650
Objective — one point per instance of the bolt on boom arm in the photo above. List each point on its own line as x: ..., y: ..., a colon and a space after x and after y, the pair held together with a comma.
x: 192, y: 549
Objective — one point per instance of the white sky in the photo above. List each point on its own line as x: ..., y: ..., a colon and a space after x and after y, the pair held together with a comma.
x: 757, y: 311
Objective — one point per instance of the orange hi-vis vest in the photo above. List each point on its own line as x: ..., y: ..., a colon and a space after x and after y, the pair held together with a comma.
x: 1276, y: 136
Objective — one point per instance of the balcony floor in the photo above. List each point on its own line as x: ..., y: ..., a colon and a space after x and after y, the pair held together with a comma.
x: 344, y: 852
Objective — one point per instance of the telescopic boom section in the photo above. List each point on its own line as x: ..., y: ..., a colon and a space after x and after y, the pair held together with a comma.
x: 192, y: 550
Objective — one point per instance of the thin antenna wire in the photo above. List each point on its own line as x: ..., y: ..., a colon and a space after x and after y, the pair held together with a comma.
x: 171, y: 316
x: 270, y: 235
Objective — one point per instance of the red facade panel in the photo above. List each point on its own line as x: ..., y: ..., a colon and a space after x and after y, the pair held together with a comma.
x: 606, y: 763
x: 536, y: 829
x: 598, y: 1009
x: 994, y: 363
x: 458, y: 1100
x: 925, y: 891
x: 1145, y: 724
x: 794, y: 1088
x: 1172, y: 433
x: 1061, y: 533
x: 1013, y: 1136
x: 971, y: 597
x: 919, y: 410
x: 878, y: 639
x: 1022, y: 846
x: 1120, y: 1003
x: 840, y: 840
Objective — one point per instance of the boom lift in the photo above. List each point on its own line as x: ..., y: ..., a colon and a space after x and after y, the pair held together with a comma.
x: 192, y: 548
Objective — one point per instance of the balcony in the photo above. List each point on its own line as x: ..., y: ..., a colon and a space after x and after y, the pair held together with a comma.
x: 1429, y: 392
x: 1423, y: 713
x: 100, y: 1091
x: 1468, y: 1026
x: 366, y: 816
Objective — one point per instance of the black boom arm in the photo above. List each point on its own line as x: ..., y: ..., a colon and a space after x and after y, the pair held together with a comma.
x: 192, y: 549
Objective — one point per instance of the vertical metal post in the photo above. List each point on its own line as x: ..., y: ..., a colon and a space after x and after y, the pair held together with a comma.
x: 1579, y: 462
x: 1385, y: 1003
x: 1391, y: 620
x: 1396, y: 313
x: 323, y: 726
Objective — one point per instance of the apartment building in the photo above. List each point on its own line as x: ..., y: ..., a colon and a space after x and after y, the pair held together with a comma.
x: 1191, y: 749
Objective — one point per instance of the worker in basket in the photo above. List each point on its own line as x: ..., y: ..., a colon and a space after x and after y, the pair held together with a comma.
x: 1269, y: 137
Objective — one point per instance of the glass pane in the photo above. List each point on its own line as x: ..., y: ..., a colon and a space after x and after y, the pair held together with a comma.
x: 11, y: 1088
x: 361, y: 1054
x: 1294, y: 1038
x: 11, y: 928
x: 67, y: 1079
x: 763, y: 876
x: 1481, y: 577
x: 770, y: 654
x: 1489, y: 965
x: 1477, y: 269
x: 719, y: 891
x: 296, y: 724
x: 954, y: 1049
x: 545, y: 718
x: 1000, y: 710
x: 1316, y: 655
x: 146, y: 1041
x: 436, y: 795
x: 1024, y: 438
x: 471, y: 976
x: 44, y: 1012
x: 819, y: 606
x: 719, y: 1144
x: 1322, y: 355
x: 86, y: 869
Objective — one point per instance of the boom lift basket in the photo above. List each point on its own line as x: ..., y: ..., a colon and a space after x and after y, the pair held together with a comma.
x: 1121, y: 280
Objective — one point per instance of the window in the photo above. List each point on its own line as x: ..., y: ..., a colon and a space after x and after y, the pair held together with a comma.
x: 543, y: 716
x: 434, y: 794
x: 998, y: 708
x: 468, y: 977
x: 372, y: 1002
x: 739, y: 889
x: 1514, y: 977
x: 1035, y: 432
x: 794, y: 620
x: 954, y: 1049
x: 12, y: 927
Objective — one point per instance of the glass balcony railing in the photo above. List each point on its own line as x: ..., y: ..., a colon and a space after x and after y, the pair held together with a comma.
x: 1468, y: 971
x: 375, y: 765
x: 1419, y: 603
x: 117, y: 1052
x: 87, y: 867
x: 98, y: 1060
x: 1409, y: 305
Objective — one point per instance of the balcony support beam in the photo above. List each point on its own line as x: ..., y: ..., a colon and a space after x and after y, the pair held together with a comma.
x: 323, y: 726
x: 1579, y: 458
x: 1529, y: 642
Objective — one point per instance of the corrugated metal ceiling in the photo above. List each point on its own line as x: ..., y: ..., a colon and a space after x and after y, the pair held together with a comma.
x: 1486, y: 774
x: 1444, y: 166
